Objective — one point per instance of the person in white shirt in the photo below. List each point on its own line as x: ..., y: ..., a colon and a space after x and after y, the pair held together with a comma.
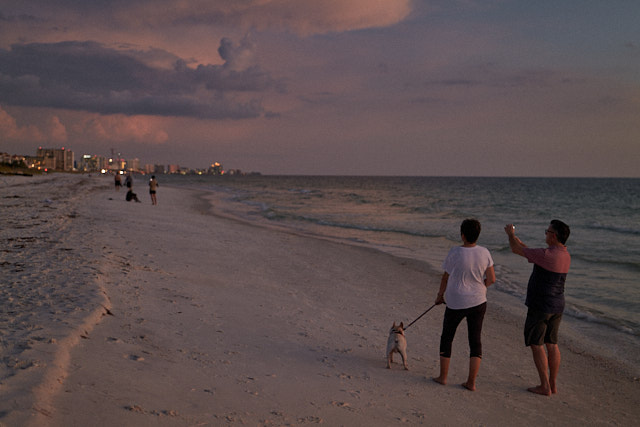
x: 468, y: 272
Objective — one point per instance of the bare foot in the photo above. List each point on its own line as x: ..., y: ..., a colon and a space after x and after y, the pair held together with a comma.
x: 470, y: 387
x: 554, y: 388
x: 439, y: 380
x: 540, y: 390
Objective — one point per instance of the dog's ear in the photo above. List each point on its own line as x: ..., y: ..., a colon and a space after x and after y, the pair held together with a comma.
x: 402, y: 325
x: 394, y: 325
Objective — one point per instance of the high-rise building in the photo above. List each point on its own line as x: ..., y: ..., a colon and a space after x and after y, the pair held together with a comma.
x: 93, y: 163
x: 56, y: 158
x: 216, y: 169
x: 133, y: 165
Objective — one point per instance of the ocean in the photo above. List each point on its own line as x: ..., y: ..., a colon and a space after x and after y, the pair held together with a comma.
x: 419, y: 218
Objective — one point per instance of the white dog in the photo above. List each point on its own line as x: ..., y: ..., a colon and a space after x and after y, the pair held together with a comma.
x: 397, y: 343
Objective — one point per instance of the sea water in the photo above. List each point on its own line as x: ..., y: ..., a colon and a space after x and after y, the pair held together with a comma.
x: 419, y: 217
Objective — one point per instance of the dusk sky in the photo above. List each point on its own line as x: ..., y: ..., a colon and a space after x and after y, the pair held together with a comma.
x: 355, y: 87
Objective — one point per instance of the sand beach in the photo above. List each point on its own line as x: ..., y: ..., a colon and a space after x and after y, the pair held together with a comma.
x: 116, y: 313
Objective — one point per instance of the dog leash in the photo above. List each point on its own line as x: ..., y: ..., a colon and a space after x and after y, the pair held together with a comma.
x: 419, y: 317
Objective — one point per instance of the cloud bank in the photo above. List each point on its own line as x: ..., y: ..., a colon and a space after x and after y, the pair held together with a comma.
x: 88, y: 76
x: 301, y: 17
x: 12, y: 131
x: 77, y: 55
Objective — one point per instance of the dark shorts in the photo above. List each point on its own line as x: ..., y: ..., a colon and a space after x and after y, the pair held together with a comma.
x: 541, y: 328
x: 152, y: 192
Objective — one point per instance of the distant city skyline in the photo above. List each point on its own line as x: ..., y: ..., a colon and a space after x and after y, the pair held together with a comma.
x: 65, y: 159
x: 351, y: 87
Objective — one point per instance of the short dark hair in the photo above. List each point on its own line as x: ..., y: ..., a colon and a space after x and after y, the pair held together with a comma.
x: 470, y: 228
x: 561, y: 229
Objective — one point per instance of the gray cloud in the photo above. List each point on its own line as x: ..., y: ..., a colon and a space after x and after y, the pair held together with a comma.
x: 490, y: 76
x: 88, y: 76
x: 18, y: 18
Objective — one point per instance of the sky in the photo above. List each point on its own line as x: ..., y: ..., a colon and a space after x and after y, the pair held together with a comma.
x: 329, y: 87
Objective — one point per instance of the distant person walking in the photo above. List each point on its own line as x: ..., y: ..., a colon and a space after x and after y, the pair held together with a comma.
x: 129, y: 181
x: 468, y: 272
x: 118, y: 181
x: 545, y: 300
x: 153, y: 187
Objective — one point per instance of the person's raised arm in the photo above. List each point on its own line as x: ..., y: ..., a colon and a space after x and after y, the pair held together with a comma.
x: 516, y: 244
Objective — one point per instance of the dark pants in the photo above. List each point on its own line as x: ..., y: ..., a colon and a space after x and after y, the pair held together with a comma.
x: 452, y: 318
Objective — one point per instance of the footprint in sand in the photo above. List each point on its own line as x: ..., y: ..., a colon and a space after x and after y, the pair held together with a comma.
x: 135, y: 408
x: 341, y: 404
x: 310, y: 419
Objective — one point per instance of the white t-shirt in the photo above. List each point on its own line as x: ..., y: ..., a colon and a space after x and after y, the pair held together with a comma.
x: 466, y: 268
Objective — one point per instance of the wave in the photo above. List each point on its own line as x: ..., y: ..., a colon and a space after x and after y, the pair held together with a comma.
x: 586, y: 315
x: 614, y: 228
x: 355, y: 197
x: 625, y: 265
x: 504, y: 249
x: 306, y: 192
x: 272, y: 214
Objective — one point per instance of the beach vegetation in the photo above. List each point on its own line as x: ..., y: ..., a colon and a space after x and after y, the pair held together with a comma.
x: 17, y: 168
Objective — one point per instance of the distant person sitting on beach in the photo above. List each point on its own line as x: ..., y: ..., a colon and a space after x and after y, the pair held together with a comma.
x: 153, y: 186
x: 468, y: 272
x: 132, y: 196
x: 545, y: 300
x: 118, y: 181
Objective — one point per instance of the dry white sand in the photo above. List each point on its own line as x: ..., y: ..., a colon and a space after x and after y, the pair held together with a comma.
x: 128, y: 314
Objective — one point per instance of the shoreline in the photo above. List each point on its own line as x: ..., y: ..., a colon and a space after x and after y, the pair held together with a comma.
x: 598, y: 292
x: 218, y: 322
x: 585, y: 335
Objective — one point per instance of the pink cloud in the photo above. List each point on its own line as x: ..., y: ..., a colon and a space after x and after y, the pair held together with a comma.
x: 11, y: 131
x: 56, y: 131
x: 301, y: 17
x: 119, y: 128
x: 322, y: 16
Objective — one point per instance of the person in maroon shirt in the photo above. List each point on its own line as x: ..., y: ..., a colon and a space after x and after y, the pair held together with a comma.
x: 545, y: 300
